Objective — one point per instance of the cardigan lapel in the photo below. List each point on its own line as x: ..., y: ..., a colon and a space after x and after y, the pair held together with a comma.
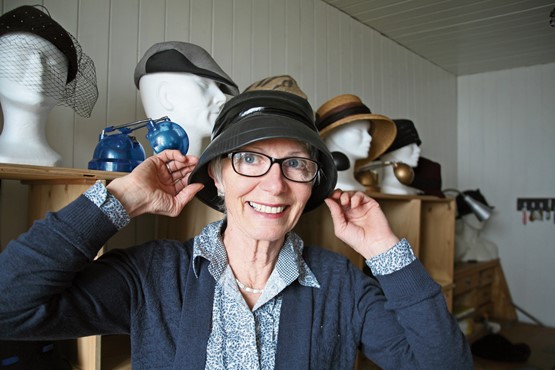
x: 196, y: 320
x: 295, y: 328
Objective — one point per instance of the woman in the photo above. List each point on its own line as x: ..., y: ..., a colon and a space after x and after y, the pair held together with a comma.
x: 245, y: 293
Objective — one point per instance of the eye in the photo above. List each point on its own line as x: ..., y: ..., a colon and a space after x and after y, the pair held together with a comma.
x: 295, y: 163
x: 250, y: 158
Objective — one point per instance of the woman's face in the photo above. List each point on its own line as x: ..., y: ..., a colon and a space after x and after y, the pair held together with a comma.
x: 267, y: 207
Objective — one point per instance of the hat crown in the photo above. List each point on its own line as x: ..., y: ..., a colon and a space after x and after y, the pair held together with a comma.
x: 284, y: 83
x: 264, y: 102
x: 339, y: 103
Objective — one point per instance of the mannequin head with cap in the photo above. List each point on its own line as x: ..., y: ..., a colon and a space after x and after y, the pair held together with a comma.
x: 348, y: 126
x: 469, y: 244
x: 405, y: 149
x: 182, y: 81
x: 40, y: 68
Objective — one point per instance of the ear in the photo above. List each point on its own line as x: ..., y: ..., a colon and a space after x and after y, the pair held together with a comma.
x: 164, y: 96
x: 217, y: 182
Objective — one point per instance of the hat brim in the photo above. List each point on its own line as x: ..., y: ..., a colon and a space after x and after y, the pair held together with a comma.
x: 257, y: 128
x: 382, y: 130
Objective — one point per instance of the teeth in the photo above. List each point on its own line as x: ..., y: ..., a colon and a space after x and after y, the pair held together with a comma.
x: 266, y: 209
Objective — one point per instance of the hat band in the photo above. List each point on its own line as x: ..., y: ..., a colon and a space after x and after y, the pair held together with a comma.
x: 359, y: 109
x: 261, y: 110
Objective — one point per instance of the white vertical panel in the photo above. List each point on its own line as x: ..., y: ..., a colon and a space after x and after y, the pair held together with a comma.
x: 200, y: 28
x: 293, y: 38
x: 223, y: 35
x: 242, y: 42
x: 320, y: 53
x: 178, y: 18
x: 152, y: 20
x: 260, y: 40
x: 307, y: 79
x: 93, y: 34
x: 344, y: 52
x: 357, y: 66
x: 122, y: 58
x: 334, y: 53
x: 278, y: 64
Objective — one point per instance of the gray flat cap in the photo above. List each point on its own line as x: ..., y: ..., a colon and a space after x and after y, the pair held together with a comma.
x: 179, y: 56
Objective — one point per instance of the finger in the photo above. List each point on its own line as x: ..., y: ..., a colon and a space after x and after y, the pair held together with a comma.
x: 171, y: 155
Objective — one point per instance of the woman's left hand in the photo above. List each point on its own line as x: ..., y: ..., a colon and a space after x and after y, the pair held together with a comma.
x: 359, y: 221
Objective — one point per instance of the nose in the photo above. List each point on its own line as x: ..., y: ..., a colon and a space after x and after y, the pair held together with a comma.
x: 274, y: 181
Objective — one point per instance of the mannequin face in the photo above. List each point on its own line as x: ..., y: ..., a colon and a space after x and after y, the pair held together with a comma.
x: 192, y: 101
x: 352, y: 139
x: 35, y: 65
x: 409, y: 154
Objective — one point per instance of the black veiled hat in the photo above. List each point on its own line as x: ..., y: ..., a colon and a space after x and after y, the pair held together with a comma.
x: 80, y: 91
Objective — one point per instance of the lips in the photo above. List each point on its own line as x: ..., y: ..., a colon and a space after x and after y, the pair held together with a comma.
x: 266, y: 209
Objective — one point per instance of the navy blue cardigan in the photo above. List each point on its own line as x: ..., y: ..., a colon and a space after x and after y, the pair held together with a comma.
x: 50, y: 288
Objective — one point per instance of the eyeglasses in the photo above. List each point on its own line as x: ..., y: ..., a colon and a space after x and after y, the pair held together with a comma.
x: 252, y: 164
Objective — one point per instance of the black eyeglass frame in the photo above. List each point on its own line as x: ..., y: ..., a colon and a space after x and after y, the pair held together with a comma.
x: 272, y: 161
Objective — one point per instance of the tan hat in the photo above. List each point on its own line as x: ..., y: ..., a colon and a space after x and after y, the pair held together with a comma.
x: 348, y: 108
x: 284, y: 83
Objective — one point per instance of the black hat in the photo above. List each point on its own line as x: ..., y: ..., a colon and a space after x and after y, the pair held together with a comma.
x: 427, y: 177
x: 179, y: 56
x: 406, y: 135
x: 259, y: 115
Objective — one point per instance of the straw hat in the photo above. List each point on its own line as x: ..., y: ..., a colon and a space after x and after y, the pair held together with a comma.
x: 347, y: 108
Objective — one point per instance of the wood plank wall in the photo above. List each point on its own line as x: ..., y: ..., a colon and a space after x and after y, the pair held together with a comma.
x: 327, y: 52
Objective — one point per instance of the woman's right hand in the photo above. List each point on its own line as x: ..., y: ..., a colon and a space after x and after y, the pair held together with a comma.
x: 159, y: 185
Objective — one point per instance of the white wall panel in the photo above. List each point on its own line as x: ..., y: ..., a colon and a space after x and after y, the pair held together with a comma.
x: 325, y: 50
x: 506, y: 132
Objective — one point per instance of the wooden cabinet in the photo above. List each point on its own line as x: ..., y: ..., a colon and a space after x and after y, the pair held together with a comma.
x: 481, y: 292
x: 427, y: 222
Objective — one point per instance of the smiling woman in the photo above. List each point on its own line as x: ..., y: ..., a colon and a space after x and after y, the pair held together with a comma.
x: 246, y: 292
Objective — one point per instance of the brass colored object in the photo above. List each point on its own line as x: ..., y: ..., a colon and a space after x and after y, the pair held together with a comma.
x: 369, y: 179
x: 403, y: 172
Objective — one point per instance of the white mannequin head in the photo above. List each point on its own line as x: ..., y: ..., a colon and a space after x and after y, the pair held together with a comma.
x: 24, y: 105
x: 408, y: 154
x: 182, y: 81
x: 352, y: 139
x: 191, y: 101
x: 469, y: 245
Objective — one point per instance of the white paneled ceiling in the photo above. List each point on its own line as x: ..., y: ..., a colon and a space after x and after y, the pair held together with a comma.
x: 463, y: 36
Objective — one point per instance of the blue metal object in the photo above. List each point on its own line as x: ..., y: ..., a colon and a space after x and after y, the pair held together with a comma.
x: 122, y: 152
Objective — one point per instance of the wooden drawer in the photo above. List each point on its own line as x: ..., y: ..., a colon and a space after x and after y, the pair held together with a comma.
x: 483, y: 295
x: 487, y: 276
x: 466, y: 282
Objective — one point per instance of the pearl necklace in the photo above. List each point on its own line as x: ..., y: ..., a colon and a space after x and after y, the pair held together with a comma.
x: 248, y: 289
